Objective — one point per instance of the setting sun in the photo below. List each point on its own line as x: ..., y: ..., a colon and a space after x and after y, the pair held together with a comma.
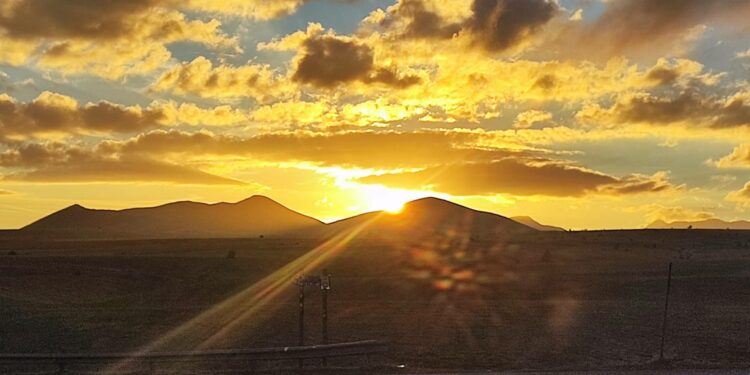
x: 389, y: 200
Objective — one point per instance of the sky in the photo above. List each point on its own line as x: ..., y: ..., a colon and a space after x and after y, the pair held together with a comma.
x: 585, y: 114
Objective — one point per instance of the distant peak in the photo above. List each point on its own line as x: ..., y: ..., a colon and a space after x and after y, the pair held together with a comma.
x: 430, y: 201
x: 258, y: 198
x: 75, y: 207
x: 433, y: 203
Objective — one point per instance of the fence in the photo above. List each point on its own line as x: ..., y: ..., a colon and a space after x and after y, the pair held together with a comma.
x: 65, y: 362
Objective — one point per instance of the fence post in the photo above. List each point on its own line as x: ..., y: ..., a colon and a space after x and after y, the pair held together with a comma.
x: 301, y: 340
x: 666, y: 311
x: 325, y: 285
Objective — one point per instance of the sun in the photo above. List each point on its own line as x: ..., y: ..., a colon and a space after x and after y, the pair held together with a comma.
x: 393, y: 207
x: 389, y: 200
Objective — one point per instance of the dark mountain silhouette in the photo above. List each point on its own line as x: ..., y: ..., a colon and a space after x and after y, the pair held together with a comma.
x: 430, y: 218
x: 702, y: 224
x: 259, y: 215
x: 530, y: 222
x: 251, y: 217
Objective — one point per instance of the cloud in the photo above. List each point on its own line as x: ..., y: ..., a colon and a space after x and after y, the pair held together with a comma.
x: 456, y: 91
x: 68, y: 35
x: 199, y: 77
x: 739, y: 158
x: 670, y: 214
x: 491, y: 25
x: 637, y: 183
x: 191, y: 114
x: 689, y: 107
x: 527, y: 119
x: 742, y: 196
x: 647, y: 27
x: 372, y: 150
x: 59, y: 163
x: 499, y: 25
x: 7, y: 85
x: 517, y: 177
x: 327, y: 61
x: 53, y: 113
x: 255, y: 9
x: 416, y: 19
x: 72, y: 19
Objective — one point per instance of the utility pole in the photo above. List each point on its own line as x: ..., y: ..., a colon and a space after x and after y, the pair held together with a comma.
x: 324, y: 282
x: 666, y: 310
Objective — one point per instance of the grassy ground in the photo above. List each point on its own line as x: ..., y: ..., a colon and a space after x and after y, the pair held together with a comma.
x: 586, y: 300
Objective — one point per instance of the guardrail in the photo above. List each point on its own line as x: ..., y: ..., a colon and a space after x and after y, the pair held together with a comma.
x: 64, y: 361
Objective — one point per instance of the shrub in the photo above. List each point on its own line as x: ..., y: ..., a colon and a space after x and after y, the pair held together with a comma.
x: 231, y: 254
x: 12, y: 253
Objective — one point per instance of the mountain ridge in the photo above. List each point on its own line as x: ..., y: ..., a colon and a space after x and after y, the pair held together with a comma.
x: 254, y: 216
x: 262, y: 216
x: 530, y: 222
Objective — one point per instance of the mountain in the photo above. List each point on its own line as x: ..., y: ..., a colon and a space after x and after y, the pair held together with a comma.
x: 529, y: 222
x: 703, y: 224
x: 430, y: 219
x: 427, y: 218
x: 251, y: 217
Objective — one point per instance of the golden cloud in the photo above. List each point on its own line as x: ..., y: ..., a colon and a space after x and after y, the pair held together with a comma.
x: 739, y: 158
x: 493, y: 25
x: 527, y: 119
x: 670, y: 214
x: 59, y: 163
x: 691, y: 107
x: 55, y: 114
x: 369, y: 150
x: 52, y: 113
x: 68, y: 35
x: 742, y: 196
x: 327, y: 60
x: 255, y: 9
x: 518, y: 177
x: 199, y: 77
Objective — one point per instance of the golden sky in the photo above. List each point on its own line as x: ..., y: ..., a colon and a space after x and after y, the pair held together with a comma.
x: 580, y: 113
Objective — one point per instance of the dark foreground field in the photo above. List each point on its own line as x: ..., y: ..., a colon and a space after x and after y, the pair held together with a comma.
x: 586, y: 300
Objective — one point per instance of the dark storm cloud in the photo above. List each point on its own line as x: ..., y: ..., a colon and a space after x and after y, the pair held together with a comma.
x: 328, y: 61
x: 502, y: 24
x: 515, y: 177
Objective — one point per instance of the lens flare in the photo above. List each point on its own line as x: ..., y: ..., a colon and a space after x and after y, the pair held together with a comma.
x: 215, y: 323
